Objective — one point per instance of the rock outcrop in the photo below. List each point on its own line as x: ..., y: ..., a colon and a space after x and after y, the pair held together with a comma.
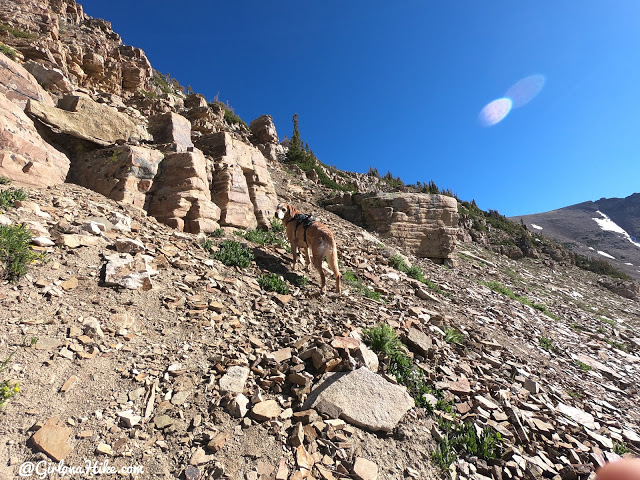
x: 24, y: 156
x: 240, y: 182
x: 124, y: 173
x: 82, y: 118
x: 181, y: 196
x: 425, y: 225
x: 72, y: 49
x: 19, y: 86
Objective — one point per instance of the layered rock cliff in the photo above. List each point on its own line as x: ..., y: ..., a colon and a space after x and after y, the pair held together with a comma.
x: 80, y: 106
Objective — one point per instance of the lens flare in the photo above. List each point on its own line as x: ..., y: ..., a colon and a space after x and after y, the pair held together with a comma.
x: 525, y: 90
x: 495, y: 112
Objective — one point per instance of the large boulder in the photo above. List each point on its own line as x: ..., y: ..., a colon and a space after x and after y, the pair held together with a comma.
x: 24, y: 156
x: 19, y: 86
x: 181, y: 196
x: 82, y: 118
x: 241, y: 183
x: 263, y: 130
x: 50, y: 78
x: 425, y: 225
x: 362, y: 398
x: 125, y: 173
x: 171, y: 128
x: 624, y: 288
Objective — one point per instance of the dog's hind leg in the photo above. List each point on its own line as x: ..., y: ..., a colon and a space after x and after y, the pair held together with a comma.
x: 332, y: 260
x: 317, y: 262
x: 307, y: 259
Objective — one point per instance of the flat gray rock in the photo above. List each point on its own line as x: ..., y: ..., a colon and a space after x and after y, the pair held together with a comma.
x: 362, y: 398
x: 235, y: 379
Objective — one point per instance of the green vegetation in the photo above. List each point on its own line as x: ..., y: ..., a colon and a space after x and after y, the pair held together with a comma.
x: 457, y: 438
x: 4, y: 180
x: 273, y: 283
x: 395, y: 183
x: 465, y: 439
x: 207, y: 244
x: 299, y: 281
x: 620, y: 448
x: 229, y: 114
x: 396, y: 261
x: 17, y: 33
x: 231, y: 118
x: 451, y: 335
x: 583, y: 366
x: 618, y: 345
x: 165, y: 83
x: 277, y: 226
x: 10, y: 195
x: 303, y: 157
x: 218, y: 233
x: 599, y: 266
x: 608, y: 320
x: 546, y: 344
x: 357, y: 283
x: 8, y: 51
x: 383, y: 340
x: 499, y: 288
x: 15, y: 251
x: 415, y: 272
x: 575, y: 395
x: 261, y: 237
x: 7, y: 388
x: 233, y: 253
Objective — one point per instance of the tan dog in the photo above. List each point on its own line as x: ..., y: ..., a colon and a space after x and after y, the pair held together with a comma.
x: 305, y: 232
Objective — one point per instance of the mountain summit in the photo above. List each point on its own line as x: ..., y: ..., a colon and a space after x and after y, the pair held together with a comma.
x: 608, y: 228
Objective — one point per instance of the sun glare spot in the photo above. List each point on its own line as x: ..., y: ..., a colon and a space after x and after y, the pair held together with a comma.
x: 525, y: 90
x: 495, y: 112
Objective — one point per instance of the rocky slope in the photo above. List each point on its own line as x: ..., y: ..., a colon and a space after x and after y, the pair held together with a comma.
x: 180, y: 374
x: 608, y: 228
x: 133, y: 343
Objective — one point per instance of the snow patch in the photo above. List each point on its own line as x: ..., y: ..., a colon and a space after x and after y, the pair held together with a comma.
x: 629, y: 264
x: 609, y: 225
x: 604, y: 254
x: 591, y: 248
x: 537, y: 227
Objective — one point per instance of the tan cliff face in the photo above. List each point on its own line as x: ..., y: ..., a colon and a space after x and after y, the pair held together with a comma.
x: 73, y: 49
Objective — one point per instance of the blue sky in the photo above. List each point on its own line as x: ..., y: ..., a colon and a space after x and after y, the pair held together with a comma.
x: 399, y: 86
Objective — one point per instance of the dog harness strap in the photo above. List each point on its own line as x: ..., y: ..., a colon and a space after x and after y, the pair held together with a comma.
x: 305, y: 221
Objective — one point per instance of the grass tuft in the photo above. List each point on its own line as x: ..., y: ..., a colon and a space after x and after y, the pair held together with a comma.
x: 357, y: 283
x: 383, y: 340
x: 273, y: 283
x: 4, y: 180
x: 11, y: 195
x: 15, y: 251
x: 261, y: 237
x: 499, y: 288
x: 465, y: 439
x: 277, y: 226
x: 7, y: 389
x: 451, y: 335
x: 232, y: 254
x: 583, y: 366
x: 415, y: 272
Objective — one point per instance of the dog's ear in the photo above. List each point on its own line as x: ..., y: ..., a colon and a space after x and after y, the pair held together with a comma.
x: 289, y: 208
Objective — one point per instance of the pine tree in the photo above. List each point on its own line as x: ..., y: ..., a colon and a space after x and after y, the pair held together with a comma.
x: 295, y: 143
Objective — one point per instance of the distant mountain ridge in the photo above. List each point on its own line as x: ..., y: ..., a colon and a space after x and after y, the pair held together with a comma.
x: 608, y: 228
